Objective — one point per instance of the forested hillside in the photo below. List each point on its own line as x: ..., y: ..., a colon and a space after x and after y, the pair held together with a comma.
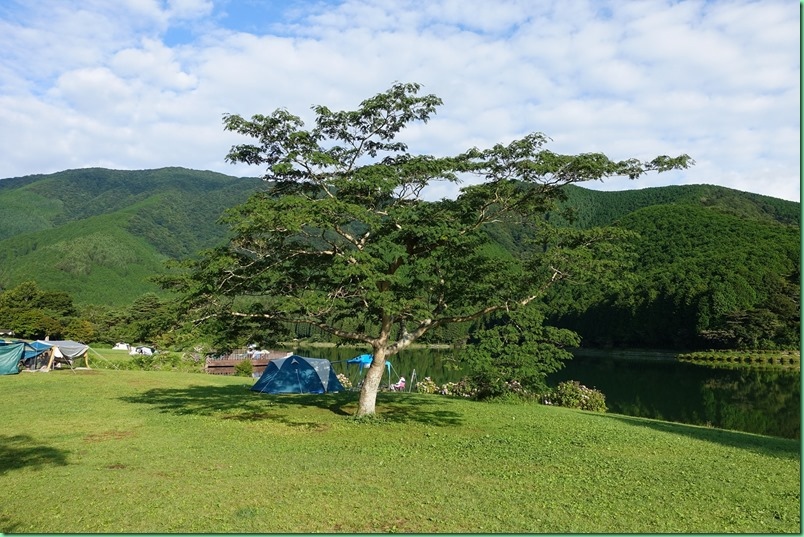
x: 702, y: 277
x: 100, y: 234
x: 592, y: 208
x: 712, y: 267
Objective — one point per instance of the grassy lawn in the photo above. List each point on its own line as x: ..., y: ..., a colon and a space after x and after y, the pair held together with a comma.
x: 134, y: 451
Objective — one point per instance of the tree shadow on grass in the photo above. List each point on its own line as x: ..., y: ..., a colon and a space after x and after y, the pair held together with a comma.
x: 782, y: 448
x: 7, y: 525
x: 237, y: 402
x: 21, y: 451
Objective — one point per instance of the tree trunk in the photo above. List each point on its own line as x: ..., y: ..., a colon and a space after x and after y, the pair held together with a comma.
x: 371, y: 385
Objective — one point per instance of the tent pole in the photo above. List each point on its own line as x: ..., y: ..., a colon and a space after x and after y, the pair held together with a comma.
x: 102, y: 358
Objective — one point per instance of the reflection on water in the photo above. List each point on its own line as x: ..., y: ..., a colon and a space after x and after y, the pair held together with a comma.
x: 762, y: 401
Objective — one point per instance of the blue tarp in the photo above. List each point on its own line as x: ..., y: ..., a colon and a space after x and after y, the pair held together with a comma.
x: 35, y: 349
x: 365, y: 361
x: 29, y: 350
x: 10, y: 356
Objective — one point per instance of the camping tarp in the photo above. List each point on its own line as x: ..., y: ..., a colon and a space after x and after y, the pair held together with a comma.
x: 64, y: 352
x: 365, y: 361
x: 10, y: 356
x: 69, y: 349
x: 298, y: 374
x: 36, y: 348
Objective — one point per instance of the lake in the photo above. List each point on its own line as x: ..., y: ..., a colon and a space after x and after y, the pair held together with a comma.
x: 644, y: 384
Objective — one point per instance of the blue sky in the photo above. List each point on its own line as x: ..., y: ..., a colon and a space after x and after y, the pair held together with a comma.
x: 133, y: 84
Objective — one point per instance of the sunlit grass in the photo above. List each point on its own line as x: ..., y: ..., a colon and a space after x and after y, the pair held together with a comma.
x: 132, y: 451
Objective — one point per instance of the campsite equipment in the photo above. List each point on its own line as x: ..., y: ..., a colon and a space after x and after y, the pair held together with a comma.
x: 41, y: 354
x: 37, y: 354
x: 49, y: 353
x: 364, y: 361
x: 65, y: 352
x: 298, y: 374
x: 30, y: 354
x: 10, y: 356
x: 399, y: 386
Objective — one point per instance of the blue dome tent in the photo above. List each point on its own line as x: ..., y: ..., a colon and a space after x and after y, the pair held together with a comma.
x: 297, y: 374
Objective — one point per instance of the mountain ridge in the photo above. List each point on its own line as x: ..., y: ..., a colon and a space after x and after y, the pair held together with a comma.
x: 99, y: 233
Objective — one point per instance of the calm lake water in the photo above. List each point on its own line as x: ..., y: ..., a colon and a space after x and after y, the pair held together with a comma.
x: 650, y: 385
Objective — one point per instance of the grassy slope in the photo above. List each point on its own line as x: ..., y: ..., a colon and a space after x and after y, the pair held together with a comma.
x: 126, y: 451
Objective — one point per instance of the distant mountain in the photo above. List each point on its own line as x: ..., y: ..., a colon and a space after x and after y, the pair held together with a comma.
x: 595, y: 208
x: 99, y: 234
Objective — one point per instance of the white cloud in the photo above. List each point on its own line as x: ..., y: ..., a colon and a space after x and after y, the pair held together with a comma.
x: 153, y: 64
x: 96, y: 83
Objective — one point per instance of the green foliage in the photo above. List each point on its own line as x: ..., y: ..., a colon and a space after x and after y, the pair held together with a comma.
x: 573, y: 394
x: 462, y: 388
x: 703, y: 278
x: 33, y: 313
x: 80, y: 330
x: 165, y: 361
x: 244, y: 368
x: 585, y: 208
x: 714, y: 267
x: 515, y: 351
x: 754, y: 358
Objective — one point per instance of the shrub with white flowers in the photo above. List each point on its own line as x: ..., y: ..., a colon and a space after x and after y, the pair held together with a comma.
x: 573, y: 394
x: 426, y: 385
x: 344, y: 380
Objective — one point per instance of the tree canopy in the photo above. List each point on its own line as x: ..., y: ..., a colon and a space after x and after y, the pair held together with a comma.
x: 343, y: 239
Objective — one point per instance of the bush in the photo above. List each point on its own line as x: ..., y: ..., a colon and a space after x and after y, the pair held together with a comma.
x: 573, y: 394
x: 427, y: 385
x: 244, y: 368
x: 462, y: 388
x: 344, y: 380
x: 163, y: 361
x: 158, y: 362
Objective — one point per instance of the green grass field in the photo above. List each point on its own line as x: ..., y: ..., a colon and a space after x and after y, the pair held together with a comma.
x: 135, y: 451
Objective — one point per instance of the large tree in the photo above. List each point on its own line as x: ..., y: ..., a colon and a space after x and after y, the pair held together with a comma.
x: 342, y: 238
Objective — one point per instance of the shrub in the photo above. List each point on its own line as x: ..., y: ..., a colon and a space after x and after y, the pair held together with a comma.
x: 573, y: 394
x: 462, y: 388
x: 162, y: 361
x: 244, y: 368
x: 344, y: 380
x: 426, y: 385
